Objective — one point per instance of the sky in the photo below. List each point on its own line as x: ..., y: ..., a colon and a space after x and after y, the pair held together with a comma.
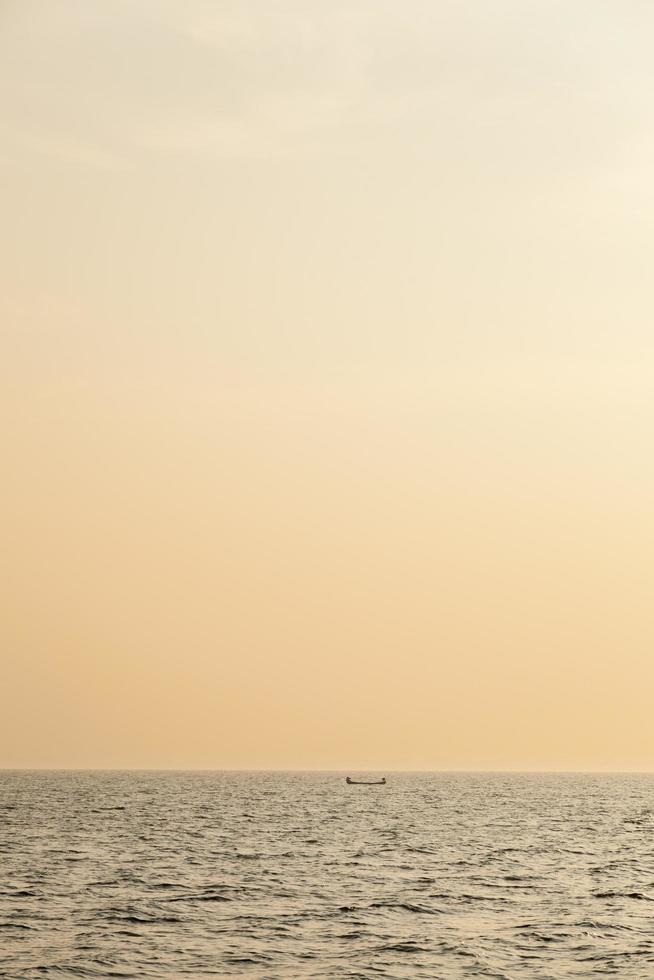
x: 326, y: 384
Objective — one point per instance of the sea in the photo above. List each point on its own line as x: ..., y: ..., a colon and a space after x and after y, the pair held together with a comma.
x: 296, y: 875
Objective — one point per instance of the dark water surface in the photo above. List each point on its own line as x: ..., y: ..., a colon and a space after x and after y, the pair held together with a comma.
x: 298, y: 875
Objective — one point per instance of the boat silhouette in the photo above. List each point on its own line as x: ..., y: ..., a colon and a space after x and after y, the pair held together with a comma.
x: 365, y: 782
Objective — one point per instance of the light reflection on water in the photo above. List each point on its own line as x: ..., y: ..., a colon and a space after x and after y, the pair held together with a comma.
x: 274, y: 875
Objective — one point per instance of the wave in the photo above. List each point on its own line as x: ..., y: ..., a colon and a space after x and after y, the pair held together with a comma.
x: 638, y: 896
x: 289, y: 877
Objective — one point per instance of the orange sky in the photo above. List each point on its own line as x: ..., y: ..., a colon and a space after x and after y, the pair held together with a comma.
x: 326, y: 378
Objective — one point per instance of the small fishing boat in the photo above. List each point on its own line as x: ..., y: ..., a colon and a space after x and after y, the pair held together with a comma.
x: 365, y: 782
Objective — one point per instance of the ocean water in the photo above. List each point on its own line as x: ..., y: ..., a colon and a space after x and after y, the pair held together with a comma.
x: 275, y: 875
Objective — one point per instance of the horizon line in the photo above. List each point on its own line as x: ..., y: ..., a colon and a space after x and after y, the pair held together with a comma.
x: 169, y: 769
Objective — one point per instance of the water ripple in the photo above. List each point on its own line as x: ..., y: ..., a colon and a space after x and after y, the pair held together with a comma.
x: 266, y: 876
